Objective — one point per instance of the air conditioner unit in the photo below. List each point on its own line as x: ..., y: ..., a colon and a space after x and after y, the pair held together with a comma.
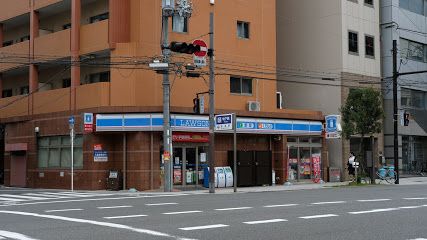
x: 254, y: 106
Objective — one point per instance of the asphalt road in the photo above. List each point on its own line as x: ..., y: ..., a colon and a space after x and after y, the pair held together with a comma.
x: 380, y: 212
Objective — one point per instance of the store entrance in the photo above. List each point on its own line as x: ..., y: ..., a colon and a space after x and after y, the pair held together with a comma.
x: 189, y: 162
x: 304, y: 158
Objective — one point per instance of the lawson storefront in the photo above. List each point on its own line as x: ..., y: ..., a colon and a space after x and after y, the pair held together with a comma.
x: 135, y: 142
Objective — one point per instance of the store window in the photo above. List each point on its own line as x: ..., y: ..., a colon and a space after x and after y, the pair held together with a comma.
x: 304, y: 158
x: 55, y: 152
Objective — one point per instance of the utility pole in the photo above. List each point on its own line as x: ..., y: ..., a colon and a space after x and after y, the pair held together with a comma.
x: 167, y: 11
x: 211, y: 106
x: 395, y: 114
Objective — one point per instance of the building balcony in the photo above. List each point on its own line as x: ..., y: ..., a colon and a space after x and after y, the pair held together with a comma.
x: 13, y: 106
x: 56, y: 100
x: 93, y: 95
x: 43, y: 3
x: 52, y: 46
x: 94, y: 37
x: 13, y: 9
x: 14, y: 56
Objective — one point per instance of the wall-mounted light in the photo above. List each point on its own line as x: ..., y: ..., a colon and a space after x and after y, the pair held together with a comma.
x: 212, y: 2
x: 36, y: 130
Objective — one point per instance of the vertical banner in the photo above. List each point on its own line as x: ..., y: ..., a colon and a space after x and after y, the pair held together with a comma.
x: 316, y: 168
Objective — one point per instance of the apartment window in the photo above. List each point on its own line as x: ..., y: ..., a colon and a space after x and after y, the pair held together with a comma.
x: 99, y: 17
x: 369, y: 2
x: 24, y: 38
x: 240, y: 85
x: 243, y: 29
x: 99, y: 77
x: 7, y: 93
x: 353, y: 43
x: 7, y: 43
x: 24, y: 90
x: 66, y: 82
x: 66, y: 26
x: 179, y: 24
x: 55, y: 152
x: 369, y: 46
x: 415, y: 6
x: 413, y: 50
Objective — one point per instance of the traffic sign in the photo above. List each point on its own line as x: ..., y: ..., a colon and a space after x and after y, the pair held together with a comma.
x: 71, y: 120
x: 203, y: 48
x: 199, y: 57
x: 224, y: 122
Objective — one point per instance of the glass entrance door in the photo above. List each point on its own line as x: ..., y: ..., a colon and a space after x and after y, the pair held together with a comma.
x: 189, y: 162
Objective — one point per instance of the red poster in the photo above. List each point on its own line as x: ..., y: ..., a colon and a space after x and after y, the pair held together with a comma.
x: 316, y: 167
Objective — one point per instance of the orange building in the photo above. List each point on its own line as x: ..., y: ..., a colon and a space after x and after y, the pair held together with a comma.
x: 65, y: 58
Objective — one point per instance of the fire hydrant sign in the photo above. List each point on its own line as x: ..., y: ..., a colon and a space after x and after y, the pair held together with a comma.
x: 88, y: 122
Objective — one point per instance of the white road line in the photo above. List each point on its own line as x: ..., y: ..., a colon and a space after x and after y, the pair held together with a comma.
x: 185, y: 212
x: 83, y: 200
x: 128, y: 216
x: 232, y: 209
x: 410, y: 207
x: 160, y: 204
x: 64, y: 210
x: 14, y: 235
x: 375, y: 210
x: 266, y: 221
x: 23, y: 197
x: 112, y: 207
x: 44, y: 195
x: 416, y: 198
x: 11, y: 199
x: 283, y: 205
x: 319, y: 216
x: 204, y: 227
x: 324, y: 203
x: 374, y: 200
x: 97, y: 223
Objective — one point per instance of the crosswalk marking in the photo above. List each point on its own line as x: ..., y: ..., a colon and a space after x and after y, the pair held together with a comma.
x: 23, y: 197
x: 231, y: 209
x: 160, y: 204
x: 112, y: 207
x: 324, y: 203
x: 176, y: 213
x: 282, y: 205
x: 48, y: 196
x: 11, y: 199
x: 374, y: 200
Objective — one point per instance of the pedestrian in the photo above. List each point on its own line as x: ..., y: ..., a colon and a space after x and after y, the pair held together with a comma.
x: 350, y: 164
x: 381, y: 159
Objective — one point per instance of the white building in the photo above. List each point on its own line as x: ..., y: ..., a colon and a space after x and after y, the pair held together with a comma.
x: 406, y: 22
x: 325, y: 48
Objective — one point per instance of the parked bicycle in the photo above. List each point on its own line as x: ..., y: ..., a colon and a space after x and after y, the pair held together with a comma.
x: 387, y: 174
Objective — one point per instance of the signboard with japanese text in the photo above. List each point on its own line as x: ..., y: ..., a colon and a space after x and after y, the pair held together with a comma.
x: 224, y: 122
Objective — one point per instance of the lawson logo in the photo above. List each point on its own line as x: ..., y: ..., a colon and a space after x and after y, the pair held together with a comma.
x: 192, y: 123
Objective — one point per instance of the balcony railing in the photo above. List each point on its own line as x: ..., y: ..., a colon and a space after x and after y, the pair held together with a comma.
x: 13, y: 106
x: 14, y: 56
x: 94, y: 37
x: 52, y: 46
x: 93, y: 95
x: 56, y: 100
x: 13, y: 8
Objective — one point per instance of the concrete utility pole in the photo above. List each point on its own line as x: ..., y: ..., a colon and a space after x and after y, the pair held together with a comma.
x: 211, y: 106
x: 395, y: 114
x: 167, y: 11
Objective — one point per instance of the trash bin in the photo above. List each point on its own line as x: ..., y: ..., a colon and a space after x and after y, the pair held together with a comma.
x: 113, y: 180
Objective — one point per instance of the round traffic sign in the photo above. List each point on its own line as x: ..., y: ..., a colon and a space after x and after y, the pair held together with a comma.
x: 203, y: 48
